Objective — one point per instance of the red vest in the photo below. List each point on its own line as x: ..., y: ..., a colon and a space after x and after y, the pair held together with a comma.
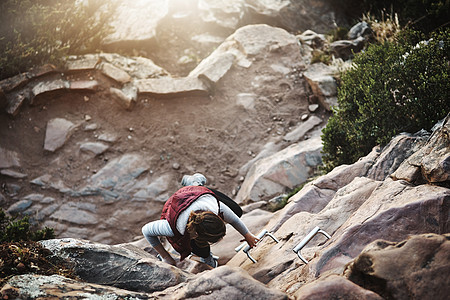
x: 177, y: 203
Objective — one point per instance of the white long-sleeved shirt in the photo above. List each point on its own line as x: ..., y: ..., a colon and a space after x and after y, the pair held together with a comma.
x: 207, y: 202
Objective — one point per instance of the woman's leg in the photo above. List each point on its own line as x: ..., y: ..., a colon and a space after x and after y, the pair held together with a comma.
x: 202, y: 252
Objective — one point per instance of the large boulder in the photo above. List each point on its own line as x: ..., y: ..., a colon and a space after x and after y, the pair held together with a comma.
x: 334, y: 287
x: 126, y: 267
x: 319, y: 16
x: 281, y: 171
x: 135, y: 22
x: 222, y: 283
x: 393, y: 211
x: 413, y: 268
x: 430, y: 163
x: 321, y: 79
x: 57, y: 133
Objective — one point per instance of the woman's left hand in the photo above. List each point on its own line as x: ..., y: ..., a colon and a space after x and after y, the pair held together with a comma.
x: 251, y: 239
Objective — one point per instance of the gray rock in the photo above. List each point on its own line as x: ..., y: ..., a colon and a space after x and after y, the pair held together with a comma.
x: 214, y: 67
x: 172, y: 87
x: 121, y: 98
x: 431, y: 163
x: 107, y: 137
x: 126, y: 267
x: 323, y: 84
x: 246, y: 100
x: 72, y: 212
x: 313, y: 107
x: 393, y: 154
x: 358, y: 30
x: 95, y: 148
x: 117, y: 179
x: 44, y: 87
x: 387, y: 207
x: 82, y: 63
x: 335, y: 287
x: 34, y: 197
x: 8, y: 158
x: 45, y: 212
x: 83, y: 85
x: 9, y: 84
x: 57, y: 133
x: 156, y: 190
x: 91, y: 127
x: 32, y: 286
x: 208, y: 40
x: 255, y: 39
x: 115, y: 73
x: 223, y: 283
x: 279, y: 172
x: 135, y: 22
x: 226, y: 14
x: 15, y: 101
x: 42, y: 180
x: 19, y: 207
x: 298, y: 133
x: 142, y: 68
x: 312, y: 39
x: 392, y: 269
x: 345, y: 48
x: 13, y: 174
x: 295, y: 16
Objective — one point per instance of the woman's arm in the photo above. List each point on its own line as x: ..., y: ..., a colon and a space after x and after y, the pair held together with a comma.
x: 231, y: 218
x: 166, y: 257
x: 152, y: 231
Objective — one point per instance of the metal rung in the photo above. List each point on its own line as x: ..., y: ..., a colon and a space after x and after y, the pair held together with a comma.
x: 247, y: 248
x: 306, y: 239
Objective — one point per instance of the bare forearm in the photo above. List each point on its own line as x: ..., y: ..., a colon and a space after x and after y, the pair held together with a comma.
x: 164, y: 254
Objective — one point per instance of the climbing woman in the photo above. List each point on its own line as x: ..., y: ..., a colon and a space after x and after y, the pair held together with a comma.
x: 192, y: 219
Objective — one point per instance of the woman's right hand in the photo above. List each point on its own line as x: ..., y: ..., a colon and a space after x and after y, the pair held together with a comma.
x: 251, y: 239
x: 169, y: 259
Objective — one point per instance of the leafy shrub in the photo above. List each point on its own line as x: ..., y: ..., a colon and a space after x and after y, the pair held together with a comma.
x: 392, y: 88
x: 15, y: 231
x: 33, y: 33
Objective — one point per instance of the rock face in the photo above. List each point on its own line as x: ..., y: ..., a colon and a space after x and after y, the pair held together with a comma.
x: 356, y: 205
x: 411, y: 267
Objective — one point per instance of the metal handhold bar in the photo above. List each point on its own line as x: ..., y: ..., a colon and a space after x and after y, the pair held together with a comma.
x: 247, y: 248
x: 306, y: 239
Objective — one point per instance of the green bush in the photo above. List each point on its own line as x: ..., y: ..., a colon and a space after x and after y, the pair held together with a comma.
x: 34, y: 33
x: 392, y: 88
x: 15, y: 231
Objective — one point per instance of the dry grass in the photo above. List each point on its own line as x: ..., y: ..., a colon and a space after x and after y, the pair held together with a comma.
x: 385, y: 29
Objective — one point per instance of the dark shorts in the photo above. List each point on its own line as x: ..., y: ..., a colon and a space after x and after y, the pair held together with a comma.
x: 202, y: 252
